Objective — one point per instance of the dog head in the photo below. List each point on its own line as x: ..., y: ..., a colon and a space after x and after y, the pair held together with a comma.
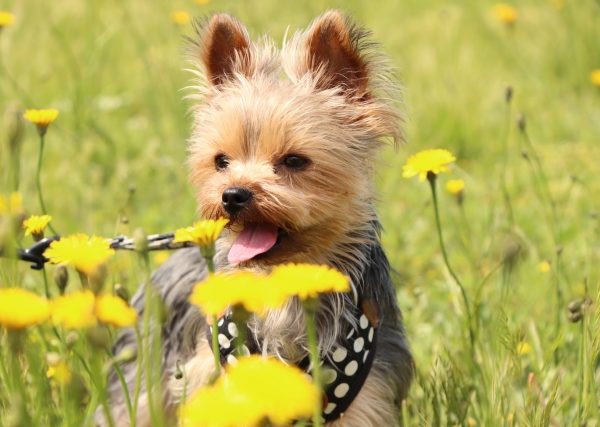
x: 284, y: 142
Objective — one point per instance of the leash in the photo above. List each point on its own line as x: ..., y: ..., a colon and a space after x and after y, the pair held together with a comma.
x: 156, y: 242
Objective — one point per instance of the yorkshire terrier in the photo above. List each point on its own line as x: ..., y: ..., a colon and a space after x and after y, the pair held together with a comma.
x: 284, y: 144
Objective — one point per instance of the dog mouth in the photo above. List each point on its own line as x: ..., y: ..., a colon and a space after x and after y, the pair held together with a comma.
x: 255, y: 241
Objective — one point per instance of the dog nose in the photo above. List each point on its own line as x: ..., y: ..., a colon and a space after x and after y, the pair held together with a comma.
x: 235, y: 199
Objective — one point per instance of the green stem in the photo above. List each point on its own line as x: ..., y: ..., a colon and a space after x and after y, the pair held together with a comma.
x: 431, y: 178
x: 146, y: 349
x: 38, y: 180
x: 207, y: 254
x: 215, y: 345
x: 311, y: 335
x: 46, y: 288
x: 125, y: 390
x: 138, y: 374
x: 98, y: 381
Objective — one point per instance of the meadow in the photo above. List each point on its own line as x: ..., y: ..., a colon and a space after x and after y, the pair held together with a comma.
x: 514, y: 98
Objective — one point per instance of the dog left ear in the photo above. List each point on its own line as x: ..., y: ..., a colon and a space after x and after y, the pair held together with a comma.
x: 333, y: 46
x: 224, y: 48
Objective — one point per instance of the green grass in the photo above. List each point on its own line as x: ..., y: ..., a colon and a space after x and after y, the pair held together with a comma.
x: 114, y: 69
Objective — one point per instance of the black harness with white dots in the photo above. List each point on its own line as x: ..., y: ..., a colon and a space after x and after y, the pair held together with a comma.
x: 343, y: 370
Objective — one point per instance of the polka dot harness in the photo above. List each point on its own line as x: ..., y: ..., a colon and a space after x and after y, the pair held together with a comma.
x: 344, y: 369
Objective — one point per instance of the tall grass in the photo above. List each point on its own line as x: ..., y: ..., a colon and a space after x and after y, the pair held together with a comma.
x: 113, y: 162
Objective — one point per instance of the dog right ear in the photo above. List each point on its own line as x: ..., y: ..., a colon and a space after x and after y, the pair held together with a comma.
x: 224, y: 48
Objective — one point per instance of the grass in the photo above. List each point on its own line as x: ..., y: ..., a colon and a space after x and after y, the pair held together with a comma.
x: 113, y: 163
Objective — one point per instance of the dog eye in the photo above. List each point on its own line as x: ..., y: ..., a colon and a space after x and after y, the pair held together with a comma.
x: 295, y: 162
x: 221, y: 162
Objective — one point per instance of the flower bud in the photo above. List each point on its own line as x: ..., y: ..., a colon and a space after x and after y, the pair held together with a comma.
x: 126, y: 355
x: 61, y: 278
x: 53, y: 358
x: 122, y: 292
x: 508, y: 94
x: 71, y: 339
x: 521, y: 123
x: 98, y: 337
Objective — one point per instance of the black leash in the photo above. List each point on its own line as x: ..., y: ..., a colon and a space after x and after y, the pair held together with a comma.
x: 156, y: 242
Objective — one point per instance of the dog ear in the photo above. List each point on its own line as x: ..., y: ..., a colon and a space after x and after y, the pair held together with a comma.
x: 225, y: 48
x: 333, y: 46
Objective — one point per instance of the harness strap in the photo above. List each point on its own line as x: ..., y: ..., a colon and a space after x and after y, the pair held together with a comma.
x: 343, y: 370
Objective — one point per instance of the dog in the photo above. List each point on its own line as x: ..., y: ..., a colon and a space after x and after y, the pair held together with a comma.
x: 284, y: 145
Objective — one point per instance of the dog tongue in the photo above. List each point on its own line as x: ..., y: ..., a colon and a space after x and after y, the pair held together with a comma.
x: 255, y: 239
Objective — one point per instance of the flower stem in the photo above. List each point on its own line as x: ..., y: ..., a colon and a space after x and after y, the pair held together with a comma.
x: 431, y: 178
x: 215, y: 345
x: 311, y: 336
x: 38, y: 180
x: 46, y: 288
x: 207, y: 254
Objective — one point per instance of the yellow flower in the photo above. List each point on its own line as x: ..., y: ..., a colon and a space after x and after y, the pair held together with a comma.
x: 220, y: 291
x: 180, y: 17
x: 75, y: 310
x: 595, y: 77
x: 41, y: 118
x: 20, y: 309
x: 60, y: 373
x: 84, y: 253
x: 544, y: 266
x: 112, y: 310
x: 202, y: 233
x: 523, y: 348
x: 307, y: 280
x: 426, y: 162
x: 455, y: 186
x: 36, y: 224
x: 11, y: 204
x: 505, y: 13
x: 251, y: 391
x: 6, y: 19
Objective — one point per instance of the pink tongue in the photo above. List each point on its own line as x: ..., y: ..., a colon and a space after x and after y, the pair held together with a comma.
x: 253, y: 240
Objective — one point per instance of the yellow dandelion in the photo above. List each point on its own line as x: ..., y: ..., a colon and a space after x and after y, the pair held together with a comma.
x: 112, y: 310
x: 20, y: 309
x: 523, y: 348
x: 41, y: 118
x: 434, y: 161
x: 74, y: 311
x: 544, y: 266
x: 471, y: 422
x: 60, y: 373
x: 220, y: 291
x: 505, y: 13
x: 86, y: 254
x: 595, y: 77
x: 455, y: 187
x: 202, y: 233
x: 6, y: 19
x: 180, y: 17
x: 307, y: 280
x: 252, y: 391
x: 36, y: 224
x: 11, y: 204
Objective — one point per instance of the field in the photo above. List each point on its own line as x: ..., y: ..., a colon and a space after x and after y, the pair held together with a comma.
x: 515, y: 102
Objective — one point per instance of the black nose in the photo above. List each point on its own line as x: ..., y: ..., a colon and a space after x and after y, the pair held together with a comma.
x: 235, y: 199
